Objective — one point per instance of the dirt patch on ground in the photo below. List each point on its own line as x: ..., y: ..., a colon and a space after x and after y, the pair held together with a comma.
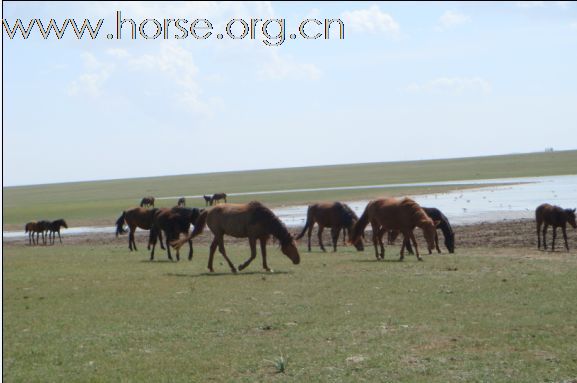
x: 505, y: 234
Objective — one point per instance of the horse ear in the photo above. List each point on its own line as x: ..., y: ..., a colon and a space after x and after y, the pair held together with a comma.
x: 436, y: 222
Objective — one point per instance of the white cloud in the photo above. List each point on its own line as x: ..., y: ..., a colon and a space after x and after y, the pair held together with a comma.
x: 92, y: 81
x: 372, y: 20
x: 279, y: 67
x: 451, y: 19
x: 452, y: 85
x: 573, y: 25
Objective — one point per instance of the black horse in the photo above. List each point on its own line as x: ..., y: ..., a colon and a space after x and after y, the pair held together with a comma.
x: 181, y: 202
x: 55, y: 228
x: 147, y: 202
x: 173, y: 222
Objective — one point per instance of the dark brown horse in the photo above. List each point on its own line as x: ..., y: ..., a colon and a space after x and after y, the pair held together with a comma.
x: 137, y: 217
x: 217, y: 197
x: 29, y: 228
x: 253, y: 221
x: 40, y: 227
x: 173, y: 222
x: 207, y: 200
x: 147, y: 202
x: 55, y: 228
x: 335, y: 215
x: 436, y: 215
x: 392, y: 214
x: 555, y: 216
x: 181, y: 202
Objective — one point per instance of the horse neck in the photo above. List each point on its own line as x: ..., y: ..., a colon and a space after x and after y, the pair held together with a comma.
x: 278, y: 229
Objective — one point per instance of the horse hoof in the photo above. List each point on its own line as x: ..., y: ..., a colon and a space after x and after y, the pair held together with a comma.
x: 420, y: 259
x: 241, y: 267
x: 233, y: 270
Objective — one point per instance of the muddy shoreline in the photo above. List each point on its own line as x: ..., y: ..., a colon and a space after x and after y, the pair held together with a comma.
x: 504, y: 234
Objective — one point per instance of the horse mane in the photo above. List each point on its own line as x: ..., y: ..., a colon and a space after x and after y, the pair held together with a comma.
x: 277, y: 228
x: 347, y: 214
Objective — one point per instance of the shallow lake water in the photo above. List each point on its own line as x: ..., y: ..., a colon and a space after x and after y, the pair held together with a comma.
x: 512, y: 198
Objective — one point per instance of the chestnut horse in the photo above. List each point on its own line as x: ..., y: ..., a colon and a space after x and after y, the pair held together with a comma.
x: 147, y: 202
x: 181, y: 202
x: 137, y: 217
x: 391, y: 214
x: 173, y: 222
x: 217, y: 197
x: 55, y: 228
x: 335, y: 215
x: 253, y: 221
x: 555, y: 216
x: 436, y: 215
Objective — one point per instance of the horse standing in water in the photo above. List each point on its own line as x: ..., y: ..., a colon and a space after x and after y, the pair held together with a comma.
x: 253, y: 221
x: 217, y: 197
x: 181, y: 202
x: 392, y: 214
x: 147, y: 202
x: 555, y: 216
x: 335, y: 215
x: 436, y: 215
x: 137, y: 217
x: 173, y: 222
x: 55, y: 228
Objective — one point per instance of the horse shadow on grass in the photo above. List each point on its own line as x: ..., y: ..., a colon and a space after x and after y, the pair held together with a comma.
x: 228, y: 273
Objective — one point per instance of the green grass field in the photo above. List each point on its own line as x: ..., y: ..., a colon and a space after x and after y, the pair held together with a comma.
x: 99, y: 313
x: 100, y: 202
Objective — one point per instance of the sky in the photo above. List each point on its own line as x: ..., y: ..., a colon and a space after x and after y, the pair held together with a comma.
x: 408, y: 81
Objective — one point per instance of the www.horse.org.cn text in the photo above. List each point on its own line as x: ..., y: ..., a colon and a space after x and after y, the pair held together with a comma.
x: 272, y: 32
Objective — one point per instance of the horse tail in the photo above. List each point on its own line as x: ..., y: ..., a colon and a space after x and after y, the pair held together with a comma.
x: 120, y: 224
x: 359, y: 226
x: 307, y: 224
x: 198, y: 228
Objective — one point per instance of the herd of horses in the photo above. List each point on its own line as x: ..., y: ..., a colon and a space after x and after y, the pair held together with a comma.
x: 47, y: 229
x: 256, y: 222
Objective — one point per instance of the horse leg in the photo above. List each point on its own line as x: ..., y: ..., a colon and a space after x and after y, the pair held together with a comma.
x: 213, y: 246
x: 437, y: 243
x: 545, y: 226
x: 565, y: 237
x: 168, y: 239
x: 381, y: 244
x: 407, y: 244
x: 414, y: 240
x: 59, y: 237
x: 223, y: 252
x: 403, y: 248
x: 538, y: 235
x: 554, y: 236
x: 375, y: 242
x: 252, y: 243
x: 160, y: 239
x: 320, y: 235
x: 335, y: 237
x: 190, y: 251
x: 344, y: 236
x: 309, y: 233
x: 263, y: 254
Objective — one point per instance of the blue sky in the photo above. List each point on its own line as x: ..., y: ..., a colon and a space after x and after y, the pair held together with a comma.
x: 409, y: 81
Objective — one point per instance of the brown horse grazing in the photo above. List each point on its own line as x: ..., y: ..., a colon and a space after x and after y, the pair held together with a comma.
x: 335, y: 215
x: 253, y: 221
x: 137, y: 217
x: 217, y: 197
x: 436, y: 215
x: 207, y: 200
x: 29, y: 228
x: 391, y: 214
x: 147, y: 202
x: 181, y: 202
x: 55, y: 228
x: 555, y: 216
x: 173, y: 222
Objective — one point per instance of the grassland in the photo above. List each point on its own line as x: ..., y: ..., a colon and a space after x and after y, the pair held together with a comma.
x: 98, y: 313
x: 99, y: 202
